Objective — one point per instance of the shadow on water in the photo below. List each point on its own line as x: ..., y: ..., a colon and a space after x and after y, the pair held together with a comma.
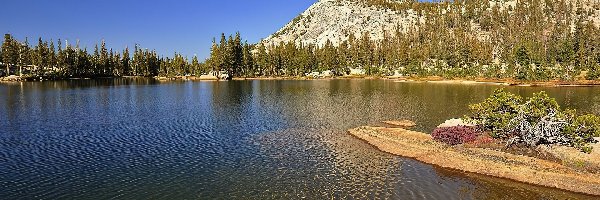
x: 140, y: 139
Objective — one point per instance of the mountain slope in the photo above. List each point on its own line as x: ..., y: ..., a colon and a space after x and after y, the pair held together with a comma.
x: 335, y: 20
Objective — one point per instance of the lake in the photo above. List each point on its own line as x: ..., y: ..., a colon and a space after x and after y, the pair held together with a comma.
x: 144, y: 139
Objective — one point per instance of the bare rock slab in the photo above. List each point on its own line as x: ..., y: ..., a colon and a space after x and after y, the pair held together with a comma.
x: 402, y: 123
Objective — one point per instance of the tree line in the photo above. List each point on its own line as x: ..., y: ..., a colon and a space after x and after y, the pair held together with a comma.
x: 532, y: 40
x: 67, y: 61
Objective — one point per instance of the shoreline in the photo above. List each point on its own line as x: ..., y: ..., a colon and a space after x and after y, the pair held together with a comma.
x: 396, y: 79
x: 530, y: 170
x: 503, y: 82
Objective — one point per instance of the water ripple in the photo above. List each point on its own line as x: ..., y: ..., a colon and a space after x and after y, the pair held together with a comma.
x: 136, y: 139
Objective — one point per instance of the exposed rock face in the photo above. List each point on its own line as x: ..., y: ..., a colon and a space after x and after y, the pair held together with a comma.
x: 335, y: 20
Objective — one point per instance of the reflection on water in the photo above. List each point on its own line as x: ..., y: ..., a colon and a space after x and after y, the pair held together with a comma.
x: 140, y: 139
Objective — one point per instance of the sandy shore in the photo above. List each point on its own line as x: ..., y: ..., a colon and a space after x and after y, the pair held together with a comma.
x: 422, y: 147
x: 507, y: 82
x: 466, y: 82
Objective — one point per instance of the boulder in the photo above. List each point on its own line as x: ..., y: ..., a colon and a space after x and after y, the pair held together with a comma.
x: 454, y: 122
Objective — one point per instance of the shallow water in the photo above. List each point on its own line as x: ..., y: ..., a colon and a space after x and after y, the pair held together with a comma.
x: 143, y: 139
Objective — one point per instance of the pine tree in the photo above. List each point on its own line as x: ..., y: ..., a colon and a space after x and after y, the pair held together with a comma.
x: 9, y: 52
x: 230, y: 57
x: 222, y: 53
x: 52, y: 56
x: 41, y: 57
x: 109, y: 63
x: 262, y: 59
x: 125, y: 62
x: 103, y: 60
x: 61, y: 59
x: 96, y: 61
x: 366, y: 53
x: 248, y: 60
x: 1, y: 56
x: 118, y: 65
x: 195, y: 66
x: 24, y: 56
x: 137, y: 60
x: 238, y: 56
x: 215, y: 60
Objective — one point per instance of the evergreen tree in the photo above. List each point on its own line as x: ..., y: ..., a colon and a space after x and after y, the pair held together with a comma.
x: 195, y: 66
x: 96, y: 61
x: 61, y: 59
x: 52, y: 56
x: 248, y: 61
x: 230, y: 57
x: 9, y: 52
x: 24, y: 56
x: 262, y: 60
x: 238, y: 55
x: 222, y: 53
x: 125, y: 62
x: 103, y: 64
x: 215, y: 61
x: 110, y: 63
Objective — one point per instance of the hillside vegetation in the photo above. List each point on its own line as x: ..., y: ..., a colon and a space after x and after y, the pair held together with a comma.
x: 526, y: 40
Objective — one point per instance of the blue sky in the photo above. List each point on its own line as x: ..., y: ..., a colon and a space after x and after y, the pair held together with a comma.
x: 185, y: 26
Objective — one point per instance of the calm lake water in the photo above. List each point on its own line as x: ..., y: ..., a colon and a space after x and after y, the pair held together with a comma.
x: 143, y: 139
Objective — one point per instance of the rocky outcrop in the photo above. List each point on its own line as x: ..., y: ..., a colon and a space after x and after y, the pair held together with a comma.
x: 335, y: 20
x: 422, y: 147
x: 402, y: 123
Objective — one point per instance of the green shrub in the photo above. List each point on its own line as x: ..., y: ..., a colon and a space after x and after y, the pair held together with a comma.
x: 538, y: 106
x: 538, y: 120
x: 590, y: 125
x: 585, y: 127
x: 494, y: 114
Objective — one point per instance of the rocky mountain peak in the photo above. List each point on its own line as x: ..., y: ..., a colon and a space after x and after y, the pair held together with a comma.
x: 336, y: 20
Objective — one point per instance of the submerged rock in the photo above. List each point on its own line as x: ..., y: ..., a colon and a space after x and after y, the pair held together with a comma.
x: 403, y: 123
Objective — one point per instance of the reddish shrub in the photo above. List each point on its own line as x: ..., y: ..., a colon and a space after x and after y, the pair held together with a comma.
x: 483, y: 139
x: 455, y: 135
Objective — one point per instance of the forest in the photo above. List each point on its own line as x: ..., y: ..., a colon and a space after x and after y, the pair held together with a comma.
x: 536, y: 40
x: 45, y: 60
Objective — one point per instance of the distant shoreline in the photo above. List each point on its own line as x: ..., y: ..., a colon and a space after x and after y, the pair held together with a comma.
x: 440, y: 80
x: 505, y: 82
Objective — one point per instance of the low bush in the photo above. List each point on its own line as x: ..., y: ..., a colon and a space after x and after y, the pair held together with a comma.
x: 455, y: 135
x: 496, y: 112
x: 539, y: 120
x: 589, y: 125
